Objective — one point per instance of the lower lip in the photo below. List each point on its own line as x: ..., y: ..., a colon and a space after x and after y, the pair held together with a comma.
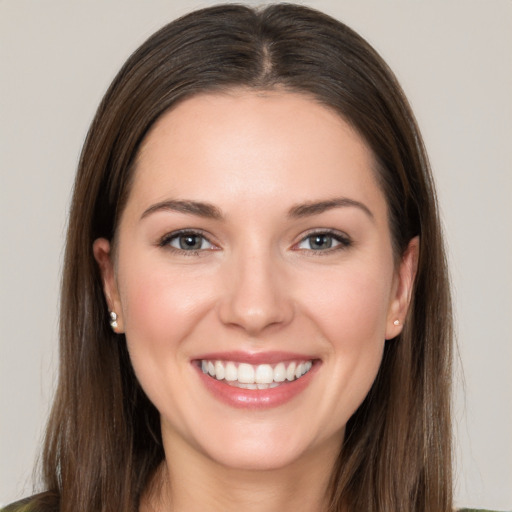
x: 256, y: 398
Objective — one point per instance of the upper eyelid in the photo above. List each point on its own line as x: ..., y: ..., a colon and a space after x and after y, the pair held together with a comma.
x: 192, y: 231
x: 325, y: 231
x: 186, y: 231
x: 344, y: 237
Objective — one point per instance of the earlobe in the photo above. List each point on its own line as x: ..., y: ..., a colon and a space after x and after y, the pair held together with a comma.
x: 403, y: 290
x: 103, y: 256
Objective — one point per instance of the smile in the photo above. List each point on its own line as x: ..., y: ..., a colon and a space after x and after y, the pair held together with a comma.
x: 261, y: 376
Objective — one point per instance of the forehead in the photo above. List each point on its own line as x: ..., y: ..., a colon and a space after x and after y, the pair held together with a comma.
x: 253, y: 147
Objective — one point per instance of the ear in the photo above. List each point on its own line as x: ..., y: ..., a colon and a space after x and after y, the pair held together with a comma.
x: 402, y: 293
x: 103, y: 256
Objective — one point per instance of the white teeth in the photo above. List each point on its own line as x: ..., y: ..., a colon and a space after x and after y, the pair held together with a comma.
x: 245, y: 373
x: 290, y: 372
x: 231, y: 372
x: 262, y: 376
x: 280, y: 373
x: 247, y: 385
x: 219, y: 371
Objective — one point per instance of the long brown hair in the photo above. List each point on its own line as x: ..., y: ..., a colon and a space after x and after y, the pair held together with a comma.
x: 103, y: 439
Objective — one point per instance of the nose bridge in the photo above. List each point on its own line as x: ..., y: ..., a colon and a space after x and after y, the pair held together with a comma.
x: 256, y: 295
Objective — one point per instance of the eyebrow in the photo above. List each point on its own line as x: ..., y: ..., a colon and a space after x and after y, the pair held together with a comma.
x: 210, y: 211
x: 200, y: 209
x: 318, y: 207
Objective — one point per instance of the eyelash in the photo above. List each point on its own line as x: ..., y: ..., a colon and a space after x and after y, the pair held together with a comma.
x: 344, y: 242
x: 175, y: 235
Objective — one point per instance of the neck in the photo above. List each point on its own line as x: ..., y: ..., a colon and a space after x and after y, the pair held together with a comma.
x: 192, y: 482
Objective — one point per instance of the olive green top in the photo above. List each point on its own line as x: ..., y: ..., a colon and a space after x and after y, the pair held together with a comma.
x: 24, y: 506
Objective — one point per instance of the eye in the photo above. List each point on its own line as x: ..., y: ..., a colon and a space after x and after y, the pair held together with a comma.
x: 324, y: 241
x: 188, y: 241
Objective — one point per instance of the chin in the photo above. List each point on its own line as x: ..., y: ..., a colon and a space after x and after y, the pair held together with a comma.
x: 267, y: 447
x: 258, y: 456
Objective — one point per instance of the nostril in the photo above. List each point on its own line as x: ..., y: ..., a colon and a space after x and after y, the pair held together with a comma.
x: 255, y: 297
x: 255, y: 318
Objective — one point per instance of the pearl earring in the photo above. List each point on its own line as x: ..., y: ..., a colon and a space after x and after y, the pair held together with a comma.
x: 396, y: 322
x: 113, y: 320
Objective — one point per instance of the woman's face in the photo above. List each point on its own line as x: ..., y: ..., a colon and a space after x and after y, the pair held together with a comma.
x: 255, y: 247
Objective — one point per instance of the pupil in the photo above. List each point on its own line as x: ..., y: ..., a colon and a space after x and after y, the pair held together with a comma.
x: 190, y: 242
x: 321, y: 242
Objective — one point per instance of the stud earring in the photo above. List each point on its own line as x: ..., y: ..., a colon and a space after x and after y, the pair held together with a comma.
x: 396, y: 322
x: 113, y: 320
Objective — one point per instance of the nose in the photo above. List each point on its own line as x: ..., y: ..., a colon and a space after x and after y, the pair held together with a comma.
x: 256, y: 296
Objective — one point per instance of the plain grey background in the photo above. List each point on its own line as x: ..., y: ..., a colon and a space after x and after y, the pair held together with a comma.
x: 454, y: 60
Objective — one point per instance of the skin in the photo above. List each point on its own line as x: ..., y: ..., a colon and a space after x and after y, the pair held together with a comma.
x: 255, y: 285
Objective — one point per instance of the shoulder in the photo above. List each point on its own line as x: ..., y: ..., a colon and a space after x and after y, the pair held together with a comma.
x: 19, y: 506
x: 44, y: 502
x: 475, y: 510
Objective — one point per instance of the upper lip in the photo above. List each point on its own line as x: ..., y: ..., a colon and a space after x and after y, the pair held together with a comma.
x: 255, y: 358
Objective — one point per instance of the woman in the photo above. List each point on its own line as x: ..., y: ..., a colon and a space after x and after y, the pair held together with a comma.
x: 255, y: 308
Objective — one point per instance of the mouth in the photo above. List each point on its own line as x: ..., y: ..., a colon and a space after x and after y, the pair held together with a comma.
x: 256, y: 381
x: 255, y: 376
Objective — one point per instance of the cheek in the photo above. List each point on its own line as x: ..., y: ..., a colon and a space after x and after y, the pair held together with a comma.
x: 350, y: 310
x: 351, y: 315
x: 351, y: 304
x: 161, y: 310
x: 160, y: 307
